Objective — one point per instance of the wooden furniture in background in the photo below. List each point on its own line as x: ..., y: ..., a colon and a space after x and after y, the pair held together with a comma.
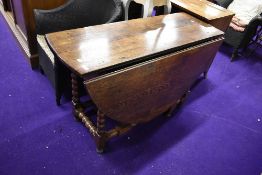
x: 148, y: 6
x: 135, y: 70
x: 19, y: 17
x: 204, y: 10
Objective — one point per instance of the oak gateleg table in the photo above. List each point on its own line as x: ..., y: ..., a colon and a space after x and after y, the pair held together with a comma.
x: 135, y: 70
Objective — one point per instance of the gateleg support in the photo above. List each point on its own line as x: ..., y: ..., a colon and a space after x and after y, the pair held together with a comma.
x: 75, y: 97
x: 101, y: 134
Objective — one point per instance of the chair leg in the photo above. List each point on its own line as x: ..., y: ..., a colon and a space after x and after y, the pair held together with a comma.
x: 58, y: 82
x: 234, y: 55
x: 126, y: 6
x: 58, y: 94
x: 58, y: 99
x: 167, y: 7
x: 148, y: 9
x: 41, y: 70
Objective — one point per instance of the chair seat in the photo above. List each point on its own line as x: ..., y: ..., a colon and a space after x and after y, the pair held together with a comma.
x: 42, y: 42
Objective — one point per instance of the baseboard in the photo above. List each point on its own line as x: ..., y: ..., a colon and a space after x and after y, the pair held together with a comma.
x: 32, y: 59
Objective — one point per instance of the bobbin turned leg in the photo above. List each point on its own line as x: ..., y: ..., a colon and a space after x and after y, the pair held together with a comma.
x: 75, y: 95
x: 100, y: 139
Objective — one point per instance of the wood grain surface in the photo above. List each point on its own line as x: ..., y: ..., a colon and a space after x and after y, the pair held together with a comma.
x: 102, y: 47
x: 203, y: 8
x: 140, y: 93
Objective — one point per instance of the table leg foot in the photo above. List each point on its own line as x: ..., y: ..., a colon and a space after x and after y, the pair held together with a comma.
x: 100, y: 151
x: 100, y: 145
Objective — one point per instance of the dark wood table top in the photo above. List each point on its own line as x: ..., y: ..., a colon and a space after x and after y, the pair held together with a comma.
x: 90, y: 49
x: 203, y: 8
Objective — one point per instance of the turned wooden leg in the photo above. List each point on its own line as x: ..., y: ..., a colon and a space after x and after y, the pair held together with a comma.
x: 100, y: 140
x: 75, y: 95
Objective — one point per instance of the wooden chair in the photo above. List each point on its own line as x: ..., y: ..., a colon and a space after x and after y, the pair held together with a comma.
x: 148, y: 6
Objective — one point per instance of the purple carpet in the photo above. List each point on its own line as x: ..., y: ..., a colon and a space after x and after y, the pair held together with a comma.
x: 218, y: 131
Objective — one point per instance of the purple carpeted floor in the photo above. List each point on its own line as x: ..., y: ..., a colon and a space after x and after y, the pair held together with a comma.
x: 217, y: 131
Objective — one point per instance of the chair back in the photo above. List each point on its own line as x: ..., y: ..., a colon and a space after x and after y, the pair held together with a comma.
x: 223, y: 3
x: 77, y: 14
